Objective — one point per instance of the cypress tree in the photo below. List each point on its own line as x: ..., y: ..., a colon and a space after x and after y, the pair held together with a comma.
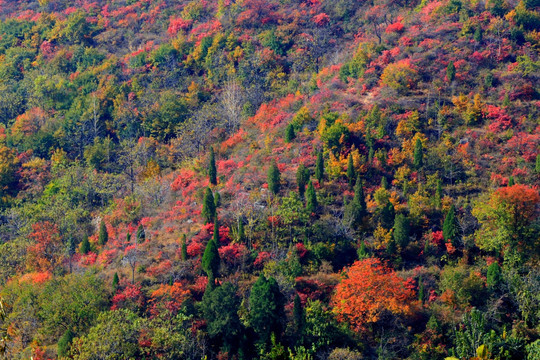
x: 357, y: 207
x: 450, y: 226
x: 418, y: 154
x: 537, y: 167
x: 511, y: 181
x: 209, y: 207
x: 478, y: 34
x: 311, y: 198
x: 384, y: 183
x: 351, y: 172
x: 299, y: 315
x: 450, y: 71
x: 388, y: 215
x: 302, y: 177
x: 210, y: 261
x: 362, y: 251
x: 115, y: 281
x: 184, y: 248
x: 141, y: 234
x: 438, y: 194
x: 266, y: 309
x: 212, y: 172
x: 85, y: 246
x: 128, y: 237
x: 289, y: 133
x: 494, y: 275
x: 103, y: 234
x: 401, y: 230
x: 319, y: 167
x: 274, y: 178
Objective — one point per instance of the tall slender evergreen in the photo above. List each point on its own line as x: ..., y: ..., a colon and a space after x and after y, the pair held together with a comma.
x: 212, y: 171
x: 319, y: 167
x: 274, y: 178
x: 103, y: 237
x: 351, y: 172
x: 209, y: 206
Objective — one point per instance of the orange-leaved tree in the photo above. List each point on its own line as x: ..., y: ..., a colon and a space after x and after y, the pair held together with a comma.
x: 370, y: 288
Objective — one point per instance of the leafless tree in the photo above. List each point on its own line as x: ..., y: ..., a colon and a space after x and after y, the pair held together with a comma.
x: 232, y: 100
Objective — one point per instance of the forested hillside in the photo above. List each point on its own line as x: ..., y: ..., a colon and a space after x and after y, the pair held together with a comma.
x: 264, y: 179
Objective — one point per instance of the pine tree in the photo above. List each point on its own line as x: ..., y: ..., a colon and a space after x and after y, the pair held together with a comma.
x: 85, y: 246
x: 494, y: 275
x: 362, y: 251
x: 302, y: 177
x: 210, y: 261
x: 511, y: 181
x: 184, y: 248
x: 209, y: 206
x: 319, y: 167
x: 266, y: 309
x: 384, y: 183
x: 450, y: 71
x: 103, y: 234
x: 289, y: 133
x: 141, y: 234
x: 351, y: 172
x: 401, y: 230
x: 418, y: 154
x: 128, y: 237
x: 212, y: 172
x: 388, y: 214
x: 115, y: 282
x: 438, y: 194
x: 356, y: 209
x: 299, y: 315
x: 311, y: 198
x: 274, y: 178
x: 450, y: 226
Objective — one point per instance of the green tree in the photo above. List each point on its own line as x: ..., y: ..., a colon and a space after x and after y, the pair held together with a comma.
x: 266, y: 310
x: 384, y: 183
x: 418, y: 154
x: 299, y: 316
x: 537, y: 167
x: 478, y: 34
x: 141, y: 234
x: 212, y: 171
x: 438, y: 194
x: 451, y: 226
x: 103, y: 237
x: 311, y: 199
x: 184, y: 248
x: 215, y: 235
x: 115, y: 282
x: 511, y: 181
x: 209, y: 206
x: 362, y: 251
x: 220, y: 310
x: 210, y: 261
x: 401, y: 230
x: 241, y: 236
x: 450, y: 71
x: 302, y: 177
x: 319, y: 167
x: 217, y: 199
x: 289, y: 133
x: 356, y: 209
x: 351, y: 172
x: 494, y: 275
x: 64, y: 343
x: 85, y: 246
x: 274, y: 178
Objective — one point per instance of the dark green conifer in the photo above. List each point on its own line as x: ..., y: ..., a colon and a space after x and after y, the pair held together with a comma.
x: 274, y: 178
x: 64, y: 343
x: 494, y: 275
x: 85, y: 246
x: 217, y: 199
x: 212, y: 171
x: 266, y: 309
x: 141, y: 234
x: 421, y: 290
x: 184, y: 248
x: 401, y: 230
x: 451, y: 226
x: 115, y: 282
x: 356, y: 209
x: 299, y: 315
x: 311, y: 198
x: 209, y: 206
x: 511, y: 181
x: 289, y: 133
x: 450, y: 71
x: 302, y: 177
x: 241, y: 232
x: 210, y: 262
x: 418, y: 154
x: 103, y: 234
